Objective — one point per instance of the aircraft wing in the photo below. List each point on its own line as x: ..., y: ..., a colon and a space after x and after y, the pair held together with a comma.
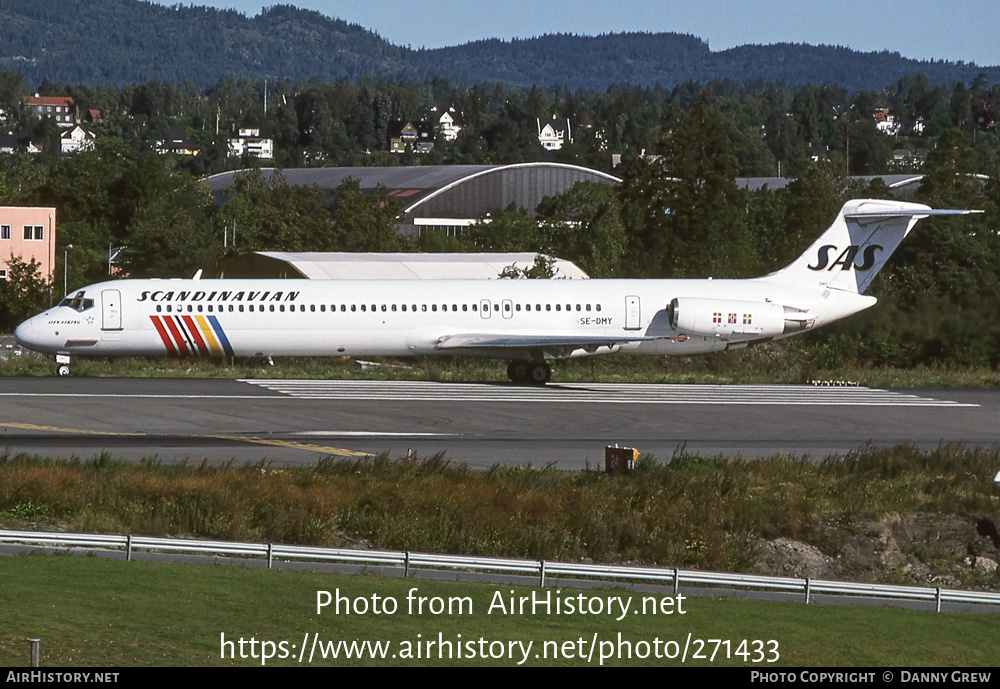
x: 507, y: 340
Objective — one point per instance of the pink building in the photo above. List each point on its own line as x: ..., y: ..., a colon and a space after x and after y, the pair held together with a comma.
x: 28, y: 233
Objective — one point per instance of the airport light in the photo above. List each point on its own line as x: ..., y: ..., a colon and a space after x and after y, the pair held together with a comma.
x: 65, y: 267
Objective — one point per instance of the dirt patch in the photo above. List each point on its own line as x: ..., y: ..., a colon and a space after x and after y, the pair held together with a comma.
x: 929, y: 549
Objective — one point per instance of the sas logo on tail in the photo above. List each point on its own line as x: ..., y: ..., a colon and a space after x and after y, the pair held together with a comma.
x: 846, y: 259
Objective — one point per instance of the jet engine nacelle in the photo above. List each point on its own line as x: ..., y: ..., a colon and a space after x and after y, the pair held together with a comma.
x: 736, y: 319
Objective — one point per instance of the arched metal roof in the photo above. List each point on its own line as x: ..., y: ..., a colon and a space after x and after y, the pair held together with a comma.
x: 443, y: 191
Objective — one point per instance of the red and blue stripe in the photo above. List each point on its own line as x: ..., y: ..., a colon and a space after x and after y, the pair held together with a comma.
x: 192, y: 335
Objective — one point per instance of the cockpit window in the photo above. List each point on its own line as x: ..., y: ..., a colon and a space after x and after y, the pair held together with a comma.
x: 77, y: 302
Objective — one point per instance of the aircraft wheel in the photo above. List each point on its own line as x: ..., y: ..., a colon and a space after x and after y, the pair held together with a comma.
x: 63, y: 371
x: 518, y: 371
x: 540, y: 374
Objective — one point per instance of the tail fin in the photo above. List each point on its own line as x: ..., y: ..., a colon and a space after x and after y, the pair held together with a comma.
x: 853, y: 250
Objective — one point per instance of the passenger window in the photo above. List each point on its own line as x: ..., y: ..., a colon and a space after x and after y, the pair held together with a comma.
x: 434, y: 307
x: 157, y: 308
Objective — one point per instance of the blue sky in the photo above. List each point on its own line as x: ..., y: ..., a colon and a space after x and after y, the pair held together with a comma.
x: 967, y: 30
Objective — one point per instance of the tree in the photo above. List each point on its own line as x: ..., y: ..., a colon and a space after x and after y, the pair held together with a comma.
x: 24, y: 293
x: 512, y: 229
x: 584, y: 225
x: 543, y: 268
x: 268, y: 214
x: 686, y: 212
x: 365, y: 223
x: 172, y: 232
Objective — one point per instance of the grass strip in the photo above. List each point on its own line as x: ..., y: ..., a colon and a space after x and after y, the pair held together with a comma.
x: 723, y: 368
x: 94, y: 612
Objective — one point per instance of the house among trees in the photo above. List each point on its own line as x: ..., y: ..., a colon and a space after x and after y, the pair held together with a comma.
x: 552, y: 134
x: 885, y: 122
x: 77, y: 138
x: 17, y: 143
x: 818, y: 152
x: 177, y: 143
x: 449, y: 123
x: 60, y: 108
x: 250, y: 143
x: 28, y: 235
x: 408, y: 136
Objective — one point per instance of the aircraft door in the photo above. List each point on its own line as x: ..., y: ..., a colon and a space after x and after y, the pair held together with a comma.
x: 508, y: 308
x: 485, y: 308
x: 632, y: 313
x: 111, y: 309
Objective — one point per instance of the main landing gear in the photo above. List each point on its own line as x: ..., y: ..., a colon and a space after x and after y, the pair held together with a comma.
x: 532, y: 373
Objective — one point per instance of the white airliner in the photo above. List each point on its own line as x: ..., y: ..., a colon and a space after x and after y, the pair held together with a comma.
x: 526, y: 322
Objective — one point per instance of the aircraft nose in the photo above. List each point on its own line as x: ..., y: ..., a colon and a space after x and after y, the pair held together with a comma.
x: 23, y: 333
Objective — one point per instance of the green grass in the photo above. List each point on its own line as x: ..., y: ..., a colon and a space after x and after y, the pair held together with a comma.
x: 94, y: 612
x: 707, y: 513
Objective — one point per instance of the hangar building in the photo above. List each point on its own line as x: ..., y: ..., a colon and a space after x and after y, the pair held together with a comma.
x: 384, y: 266
x: 444, y: 196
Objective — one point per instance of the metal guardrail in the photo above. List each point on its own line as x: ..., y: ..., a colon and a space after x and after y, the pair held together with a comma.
x: 541, y: 569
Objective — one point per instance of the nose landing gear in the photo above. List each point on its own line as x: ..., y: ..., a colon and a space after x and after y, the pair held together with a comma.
x: 62, y: 365
x: 527, y: 372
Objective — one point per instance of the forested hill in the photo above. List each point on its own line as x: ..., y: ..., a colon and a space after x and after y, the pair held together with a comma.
x: 118, y: 42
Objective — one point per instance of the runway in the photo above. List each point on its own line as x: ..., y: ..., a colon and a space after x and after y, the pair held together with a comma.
x: 566, y: 425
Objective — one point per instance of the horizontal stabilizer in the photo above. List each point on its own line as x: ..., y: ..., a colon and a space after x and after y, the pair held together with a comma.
x: 908, y: 213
